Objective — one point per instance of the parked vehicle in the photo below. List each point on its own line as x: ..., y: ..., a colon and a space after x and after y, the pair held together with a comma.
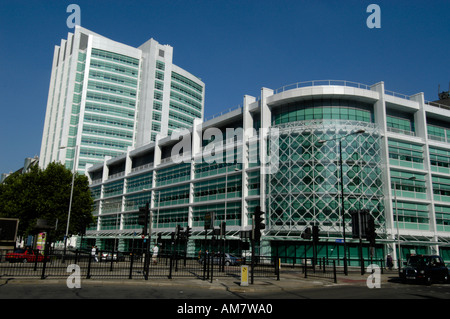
x: 117, y: 256
x: 424, y: 269
x: 231, y: 260
x: 218, y: 259
x: 24, y: 255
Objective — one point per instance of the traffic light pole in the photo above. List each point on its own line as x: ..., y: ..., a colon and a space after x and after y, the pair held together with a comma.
x: 252, y: 261
x: 145, y: 217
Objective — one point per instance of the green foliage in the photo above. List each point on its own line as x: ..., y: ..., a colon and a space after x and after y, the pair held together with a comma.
x: 45, y: 194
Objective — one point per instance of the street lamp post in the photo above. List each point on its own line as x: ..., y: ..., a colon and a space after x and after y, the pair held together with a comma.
x: 71, y: 198
x: 342, y: 189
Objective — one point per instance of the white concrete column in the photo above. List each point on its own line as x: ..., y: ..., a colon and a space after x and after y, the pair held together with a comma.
x: 266, y: 116
x: 248, y: 133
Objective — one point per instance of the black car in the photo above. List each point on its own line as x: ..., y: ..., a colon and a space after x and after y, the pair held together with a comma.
x: 424, y: 269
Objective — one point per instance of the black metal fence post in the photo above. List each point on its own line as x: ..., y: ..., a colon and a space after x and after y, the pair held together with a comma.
x: 36, y: 252
x: 306, y: 267
x: 46, y: 253
x: 252, y: 263
x: 212, y: 266
x: 88, y: 276
x: 277, y: 266
x: 170, y: 266
x: 147, y: 268
x: 131, y: 265
x: 112, y: 260
x: 334, y: 271
x: 323, y: 265
x: 208, y: 267
x: 204, y: 265
x: 146, y: 265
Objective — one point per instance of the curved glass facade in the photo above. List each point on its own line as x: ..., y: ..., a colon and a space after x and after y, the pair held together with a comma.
x: 306, y: 189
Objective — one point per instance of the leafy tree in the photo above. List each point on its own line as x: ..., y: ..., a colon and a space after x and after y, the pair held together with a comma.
x: 45, y: 194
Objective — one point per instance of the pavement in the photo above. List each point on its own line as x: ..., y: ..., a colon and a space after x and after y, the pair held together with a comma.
x: 289, y: 281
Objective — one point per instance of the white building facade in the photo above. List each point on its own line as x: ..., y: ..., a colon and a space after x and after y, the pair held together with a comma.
x: 105, y: 97
x: 340, y: 147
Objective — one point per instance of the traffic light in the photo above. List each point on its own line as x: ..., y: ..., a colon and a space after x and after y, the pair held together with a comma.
x: 143, y: 219
x: 188, y: 232
x: 306, y: 233
x: 223, y: 226
x: 370, y: 231
x: 178, y: 231
x: 360, y: 220
x: 315, y: 234
x: 259, y: 223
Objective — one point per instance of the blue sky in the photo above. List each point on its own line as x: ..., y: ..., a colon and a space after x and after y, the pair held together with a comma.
x: 235, y: 47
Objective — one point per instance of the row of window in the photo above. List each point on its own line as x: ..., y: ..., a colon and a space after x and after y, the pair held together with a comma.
x: 330, y: 109
x: 400, y: 124
x: 109, y: 109
x: 139, y: 182
x: 105, y: 143
x: 184, y: 109
x: 187, y: 82
x: 104, y: 98
x: 99, y: 154
x: 111, y: 67
x: 110, y: 88
x: 115, y: 57
x: 110, y: 121
x: 181, y: 118
x: 228, y: 187
x: 406, y: 152
x: 323, y: 109
x: 190, y: 93
x: 185, y: 100
x: 175, y: 125
x: 113, y: 78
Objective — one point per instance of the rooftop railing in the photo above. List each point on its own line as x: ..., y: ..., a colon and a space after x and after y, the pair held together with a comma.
x: 313, y: 83
x: 442, y: 106
x: 223, y: 112
x: 322, y: 83
x: 395, y: 94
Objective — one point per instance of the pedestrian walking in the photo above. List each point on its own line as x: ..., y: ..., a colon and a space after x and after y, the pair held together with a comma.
x: 94, y: 253
x: 155, y: 254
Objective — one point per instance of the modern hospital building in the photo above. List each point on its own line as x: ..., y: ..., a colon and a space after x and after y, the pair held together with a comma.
x: 105, y: 97
x: 308, y: 154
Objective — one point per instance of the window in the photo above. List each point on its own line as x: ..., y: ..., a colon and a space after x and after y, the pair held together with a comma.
x: 115, y: 57
x: 156, y: 116
x: 156, y: 126
x: 325, y: 109
x: 405, y: 154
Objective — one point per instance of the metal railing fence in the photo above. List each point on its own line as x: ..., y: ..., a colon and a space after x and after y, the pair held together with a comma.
x: 171, y: 264
x: 130, y: 265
